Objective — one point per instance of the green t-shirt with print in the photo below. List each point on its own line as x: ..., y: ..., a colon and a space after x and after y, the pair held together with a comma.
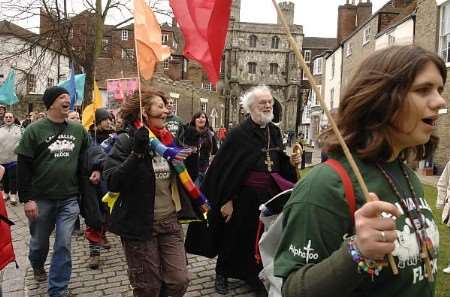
x: 174, y: 124
x: 317, y: 217
x: 55, y: 166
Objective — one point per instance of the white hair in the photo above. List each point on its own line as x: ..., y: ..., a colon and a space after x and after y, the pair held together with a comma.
x: 248, y: 99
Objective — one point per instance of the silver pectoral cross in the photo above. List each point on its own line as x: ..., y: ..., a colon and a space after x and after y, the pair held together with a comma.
x: 268, y: 162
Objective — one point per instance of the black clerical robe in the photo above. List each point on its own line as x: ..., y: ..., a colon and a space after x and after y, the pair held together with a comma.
x: 244, y: 151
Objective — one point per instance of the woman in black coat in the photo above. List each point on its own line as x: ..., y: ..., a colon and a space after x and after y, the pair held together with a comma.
x: 150, y: 203
x: 200, y: 138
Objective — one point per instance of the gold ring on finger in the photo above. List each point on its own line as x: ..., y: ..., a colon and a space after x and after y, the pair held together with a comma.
x: 383, y: 236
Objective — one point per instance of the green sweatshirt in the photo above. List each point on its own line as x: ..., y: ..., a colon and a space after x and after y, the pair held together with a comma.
x: 312, y: 257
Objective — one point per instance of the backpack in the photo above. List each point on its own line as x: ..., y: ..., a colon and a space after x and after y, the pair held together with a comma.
x: 271, y: 219
x: 6, y: 247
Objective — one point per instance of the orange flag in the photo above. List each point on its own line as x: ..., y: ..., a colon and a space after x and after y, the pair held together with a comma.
x: 147, y: 34
x: 88, y: 117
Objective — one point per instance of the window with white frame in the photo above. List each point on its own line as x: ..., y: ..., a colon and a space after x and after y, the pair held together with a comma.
x: 31, y: 83
x: 307, y: 55
x: 444, y: 33
x: 50, y: 82
x: 124, y: 34
x: 206, y: 86
x: 105, y: 44
x: 165, y: 38
x: 308, y: 112
x: 165, y: 64
x: 204, y: 105
x: 317, y: 68
x: 348, y: 50
x: 366, y: 35
x: 127, y: 53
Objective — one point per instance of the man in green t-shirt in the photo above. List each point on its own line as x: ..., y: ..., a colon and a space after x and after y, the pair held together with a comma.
x: 48, y: 174
x: 173, y: 123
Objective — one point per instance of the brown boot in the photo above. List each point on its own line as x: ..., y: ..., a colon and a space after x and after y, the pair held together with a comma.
x: 94, y: 262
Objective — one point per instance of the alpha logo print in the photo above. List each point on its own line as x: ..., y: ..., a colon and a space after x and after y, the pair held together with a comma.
x: 307, y: 252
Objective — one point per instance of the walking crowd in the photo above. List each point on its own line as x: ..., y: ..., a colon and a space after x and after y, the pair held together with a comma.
x: 141, y: 172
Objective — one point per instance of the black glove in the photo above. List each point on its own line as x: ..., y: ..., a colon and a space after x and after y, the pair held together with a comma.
x: 141, y: 140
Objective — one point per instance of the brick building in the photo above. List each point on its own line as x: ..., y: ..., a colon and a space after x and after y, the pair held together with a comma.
x: 358, y: 41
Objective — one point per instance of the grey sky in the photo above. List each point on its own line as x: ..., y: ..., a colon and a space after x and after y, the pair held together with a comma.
x: 318, y: 17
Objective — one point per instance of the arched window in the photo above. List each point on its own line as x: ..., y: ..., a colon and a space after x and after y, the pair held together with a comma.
x: 253, y: 40
x: 275, y: 41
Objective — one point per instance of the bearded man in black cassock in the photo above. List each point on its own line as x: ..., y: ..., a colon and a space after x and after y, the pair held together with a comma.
x: 249, y: 168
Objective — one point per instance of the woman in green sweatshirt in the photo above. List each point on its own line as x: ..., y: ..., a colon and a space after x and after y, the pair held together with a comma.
x: 386, y: 116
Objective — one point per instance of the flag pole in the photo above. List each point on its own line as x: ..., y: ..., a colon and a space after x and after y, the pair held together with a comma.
x: 316, y: 90
x: 139, y: 78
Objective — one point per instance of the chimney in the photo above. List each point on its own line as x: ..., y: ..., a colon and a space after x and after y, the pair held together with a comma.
x: 346, y: 20
x: 45, y: 22
x: 363, y: 11
x: 401, y: 3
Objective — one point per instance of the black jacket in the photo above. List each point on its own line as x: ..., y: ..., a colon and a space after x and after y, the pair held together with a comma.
x: 204, y: 145
x: 134, y: 179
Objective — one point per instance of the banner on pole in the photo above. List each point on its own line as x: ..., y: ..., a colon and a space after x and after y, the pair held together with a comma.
x: 121, y: 89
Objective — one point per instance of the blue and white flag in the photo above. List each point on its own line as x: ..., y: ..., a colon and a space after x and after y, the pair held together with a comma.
x: 8, y: 90
x: 77, y: 81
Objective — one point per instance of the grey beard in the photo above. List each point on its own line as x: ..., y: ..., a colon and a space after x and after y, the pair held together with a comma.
x: 262, y: 119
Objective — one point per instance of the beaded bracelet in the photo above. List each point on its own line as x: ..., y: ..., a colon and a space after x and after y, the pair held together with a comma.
x: 371, y: 267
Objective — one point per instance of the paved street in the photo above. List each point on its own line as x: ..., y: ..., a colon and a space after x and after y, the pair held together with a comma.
x: 110, y: 280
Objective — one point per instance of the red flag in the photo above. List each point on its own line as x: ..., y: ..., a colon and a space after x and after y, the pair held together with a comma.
x: 204, y: 24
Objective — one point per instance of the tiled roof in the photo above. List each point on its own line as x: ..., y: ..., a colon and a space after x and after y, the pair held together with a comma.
x: 319, y: 42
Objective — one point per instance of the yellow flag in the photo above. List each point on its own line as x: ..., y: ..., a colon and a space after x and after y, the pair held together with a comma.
x: 88, y: 117
x: 147, y: 33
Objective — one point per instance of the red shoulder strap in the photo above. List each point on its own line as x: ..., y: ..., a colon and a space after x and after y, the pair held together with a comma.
x: 348, y: 187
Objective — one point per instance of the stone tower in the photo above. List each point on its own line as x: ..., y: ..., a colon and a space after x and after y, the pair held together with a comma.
x: 287, y: 7
x: 235, y: 11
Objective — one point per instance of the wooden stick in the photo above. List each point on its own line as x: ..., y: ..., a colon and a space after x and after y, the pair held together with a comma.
x: 297, y: 149
x: 316, y: 90
x: 139, y: 80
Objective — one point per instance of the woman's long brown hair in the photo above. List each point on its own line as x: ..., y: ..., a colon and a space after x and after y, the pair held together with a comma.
x: 373, y: 100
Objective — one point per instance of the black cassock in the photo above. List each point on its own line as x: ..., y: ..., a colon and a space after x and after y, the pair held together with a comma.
x: 244, y: 150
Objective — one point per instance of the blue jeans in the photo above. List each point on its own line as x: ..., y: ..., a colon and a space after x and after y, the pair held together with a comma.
x: 51, y: 213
